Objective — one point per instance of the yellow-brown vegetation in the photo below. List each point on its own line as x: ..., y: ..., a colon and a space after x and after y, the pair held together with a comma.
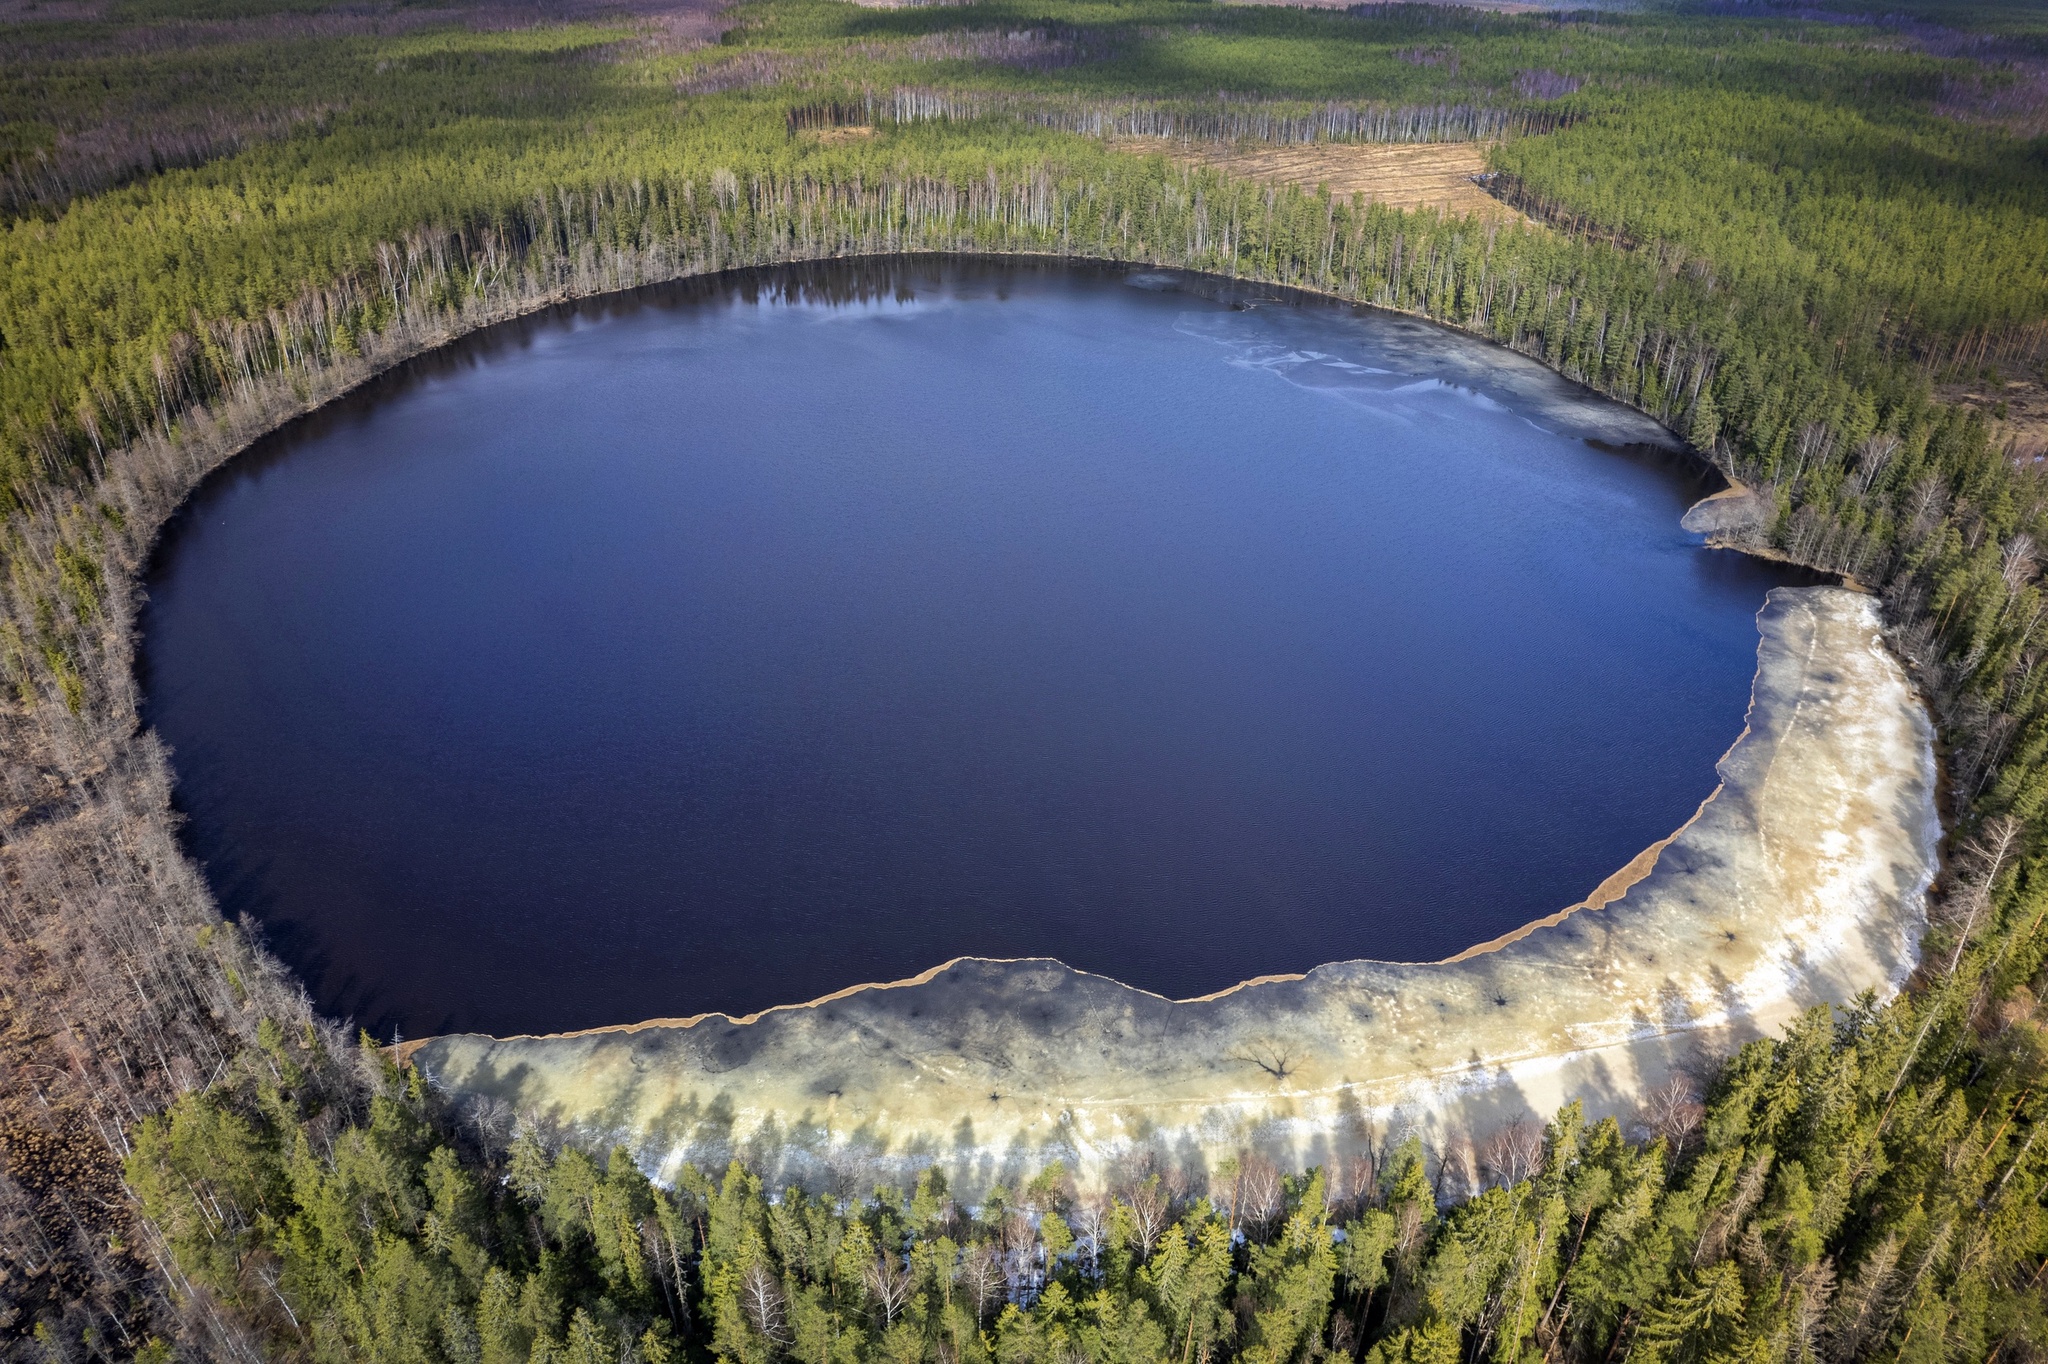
x: 1437, y: 175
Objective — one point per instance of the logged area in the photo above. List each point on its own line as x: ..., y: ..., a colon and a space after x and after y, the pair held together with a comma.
x: 1808, y: 243
x: 1432, y: 175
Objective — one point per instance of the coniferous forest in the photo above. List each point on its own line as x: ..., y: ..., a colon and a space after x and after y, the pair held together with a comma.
x: 1802, y: 238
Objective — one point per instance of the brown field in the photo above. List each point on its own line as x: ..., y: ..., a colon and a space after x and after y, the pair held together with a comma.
x: 2025, y: 419
x: 826, y: 136
x: 1496, y: 6
x: 1409, y: 175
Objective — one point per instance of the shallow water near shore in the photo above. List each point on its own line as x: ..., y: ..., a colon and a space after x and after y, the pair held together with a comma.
x: 736, y: 642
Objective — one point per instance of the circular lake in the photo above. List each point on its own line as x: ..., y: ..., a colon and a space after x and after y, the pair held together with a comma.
x: 739, y: 641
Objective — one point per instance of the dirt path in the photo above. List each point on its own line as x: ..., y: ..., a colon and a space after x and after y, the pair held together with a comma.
x: 1409, y: 175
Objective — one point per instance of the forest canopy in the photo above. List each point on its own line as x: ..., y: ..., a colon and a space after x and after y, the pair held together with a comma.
x: 1814, y: 242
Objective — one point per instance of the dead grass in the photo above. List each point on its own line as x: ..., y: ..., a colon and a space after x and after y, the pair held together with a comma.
x: 826, y: 136
x: 1411, y: 175
x: 1493, y: 6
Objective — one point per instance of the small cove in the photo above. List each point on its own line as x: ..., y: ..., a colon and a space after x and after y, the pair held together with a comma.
x: 735, y: 642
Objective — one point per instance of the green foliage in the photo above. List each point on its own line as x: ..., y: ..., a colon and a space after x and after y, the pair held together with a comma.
x: 1849, y: 1196
x: 1761, y: 232
x: 1901, y: 226
x: 1798, y: 179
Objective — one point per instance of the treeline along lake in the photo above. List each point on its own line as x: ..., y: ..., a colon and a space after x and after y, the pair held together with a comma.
x: 733, y: 642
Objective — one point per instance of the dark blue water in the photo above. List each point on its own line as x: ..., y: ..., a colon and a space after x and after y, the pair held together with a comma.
x: 725, y: 646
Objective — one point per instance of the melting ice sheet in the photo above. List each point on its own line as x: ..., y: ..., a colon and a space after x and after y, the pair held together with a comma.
x: 1801, y: 882
x: 1392, y: 366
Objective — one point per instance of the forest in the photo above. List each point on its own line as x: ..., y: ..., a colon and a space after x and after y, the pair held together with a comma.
x: 1788, y: 234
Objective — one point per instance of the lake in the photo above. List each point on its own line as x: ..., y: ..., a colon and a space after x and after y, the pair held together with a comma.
x: 726, y: 644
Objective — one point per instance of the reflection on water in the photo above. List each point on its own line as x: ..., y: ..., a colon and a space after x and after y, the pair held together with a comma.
x: 735, y: 642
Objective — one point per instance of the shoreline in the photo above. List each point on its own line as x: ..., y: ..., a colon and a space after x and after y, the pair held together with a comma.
x: 1800, y: 882
x: 157, y: 483
x: 1612, y: 888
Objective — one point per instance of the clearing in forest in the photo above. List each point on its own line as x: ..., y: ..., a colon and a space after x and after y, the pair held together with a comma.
x: 2017, y: 409
x: 1407, y: 175
x: 1496, y: 6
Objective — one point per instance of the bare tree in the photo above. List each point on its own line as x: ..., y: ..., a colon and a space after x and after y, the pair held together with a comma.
x: 660, y: 1239
x: 889, y: 1284
x: 1457, y: 1168
x: 1343, y: 1335
x: 1355, y: 1183
x: 1019, y: 1236
x: 1408, y: 1229
x: 1926, y: 505
x: 492, y: 1119
x: 1872, y: 457
x: 1978, y: 864
x: 1864, y: 1304
x: 2017, y: 562
x: 1674, y: 1112
x: 980, y: 1277
x: 1749, y: 1188
x: 761, y: 1298
x: 1150, y: 1212
x: 1022, y: 1261
x: 1816, y: 441
x: 1513, y: 1153
x: 1091, y: 1223
x: 1814, y: 1289
x: 269, y: 1272
x: 1257, y: 1194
